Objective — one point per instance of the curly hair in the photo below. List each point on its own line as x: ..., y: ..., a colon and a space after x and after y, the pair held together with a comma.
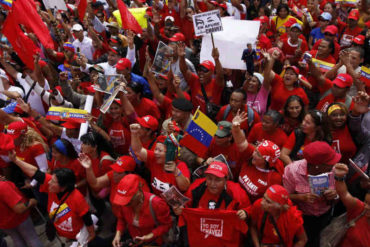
x: 31, y: 136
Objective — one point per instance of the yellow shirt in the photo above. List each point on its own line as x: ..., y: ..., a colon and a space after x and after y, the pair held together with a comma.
x: 280, y: 28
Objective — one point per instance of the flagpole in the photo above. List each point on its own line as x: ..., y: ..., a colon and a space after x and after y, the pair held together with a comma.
x: 213, y: 42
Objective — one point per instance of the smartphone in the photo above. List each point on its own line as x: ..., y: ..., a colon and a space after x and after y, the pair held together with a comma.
x: 78, y: 51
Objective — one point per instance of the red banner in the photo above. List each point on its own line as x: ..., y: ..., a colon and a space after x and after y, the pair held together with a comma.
x: 128, y: 20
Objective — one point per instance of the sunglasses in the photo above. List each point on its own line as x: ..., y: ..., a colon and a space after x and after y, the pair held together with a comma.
x: 203, y: 69
x: 329, y: 34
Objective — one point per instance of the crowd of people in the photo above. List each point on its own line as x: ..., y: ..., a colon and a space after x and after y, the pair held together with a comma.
x: 296, y: 116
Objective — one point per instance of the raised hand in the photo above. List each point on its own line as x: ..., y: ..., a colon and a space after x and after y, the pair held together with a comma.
x: 239, y: 118
x: 85, y: 160
x: 134, y: 128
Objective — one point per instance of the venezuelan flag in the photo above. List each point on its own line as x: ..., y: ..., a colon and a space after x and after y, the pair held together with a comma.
x: 324, y: 66
x: 6, y: 3
x: 365, y: 75
x: 199, y: 134
x: 62, y: 114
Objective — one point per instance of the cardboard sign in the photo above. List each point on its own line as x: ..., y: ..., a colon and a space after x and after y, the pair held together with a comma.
x: 207, y: 22
x: 162, y: 60
x: 55, y: 4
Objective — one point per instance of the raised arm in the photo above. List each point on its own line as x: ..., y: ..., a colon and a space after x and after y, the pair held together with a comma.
x: 27, y: 168
x: 136, y: 145
x: 94, y: 182
x: 183, y: 67
x: 220, y: 79
x: 268, y: 73
x: 238, y: 134
x: 340, y: 172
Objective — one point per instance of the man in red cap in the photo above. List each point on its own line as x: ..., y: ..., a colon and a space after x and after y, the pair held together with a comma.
x: 206, y: 82
x: 330, y: 33
x: 319, y: 158
x: 352, y: 29
x: 293, y: 47
x: 148, y: 131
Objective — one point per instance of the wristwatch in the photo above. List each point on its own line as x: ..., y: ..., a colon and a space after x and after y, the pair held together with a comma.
x: 341, y: 179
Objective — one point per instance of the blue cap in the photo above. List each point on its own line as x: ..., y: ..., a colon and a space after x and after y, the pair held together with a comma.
x: 326, y: 16
x: 297, y: 25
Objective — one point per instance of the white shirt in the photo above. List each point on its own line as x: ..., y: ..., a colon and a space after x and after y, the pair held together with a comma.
x: 85, y: 46
x: 234, y: 11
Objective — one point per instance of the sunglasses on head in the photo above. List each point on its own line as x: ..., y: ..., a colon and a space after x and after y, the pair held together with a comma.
x: 203, y: 69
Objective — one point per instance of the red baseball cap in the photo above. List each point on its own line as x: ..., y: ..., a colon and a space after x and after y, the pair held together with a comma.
x: 208, y: 65
x: 354, y: 14
x: 359, y: 39
x: 217, y: 168
x: 343, y: 80
x: 123, y: 63
x: 126, y: 189
x: 71, y: 124
x: 262, y: 19
x: 331, y: 29
x: 124, y: 164
x: 317, y: 153
x: 214, y: 3
x: 148, y: 122
x: 177, y: 37
x: 15, y: 129
x: 290, y: 22
x: 281, y: 57
x: 6, y: 142
x: 278, y: 194
x: 294, y: 68
x: 222, y: 5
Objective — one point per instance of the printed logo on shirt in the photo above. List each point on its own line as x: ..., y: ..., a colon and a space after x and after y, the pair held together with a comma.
x: 159, y: 185
x: 336, y: 146
x: 212, y: 205
x: 123, y: 192
x: 63, y: 210
x: 212, y: 227
x: 117, y: 137
x: 66, y: 225
x: 248, y: 185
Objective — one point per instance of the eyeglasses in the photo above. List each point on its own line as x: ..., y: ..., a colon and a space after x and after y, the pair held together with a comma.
x: 203, y: 69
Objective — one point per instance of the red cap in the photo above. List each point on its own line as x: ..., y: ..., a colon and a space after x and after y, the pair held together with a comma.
x: 124, y: 164
x: 71, y: 124
x: 294, y: 68
x: 217, y: 168
x: 148, y: 122
x: 126, y: 189
x: 262, y: 19
x: 331, y: 29
x: 118, y: 101
x: 278, y: 194
x: 223, y: 5
x: 354, y: 14
x: 269, y: 151
x: 59, y: 88
x: 208, y: 65
x: 149, y: 11
x: 281, y: 57
x: 123, y: 63
x: 214, y: 3
x: 343, y: 80
x: 359, y: 39
x: 317, y: 153
x: 290, y: 22
x: 15, y: 129
x: 177, y: 37
x: 6, y: 142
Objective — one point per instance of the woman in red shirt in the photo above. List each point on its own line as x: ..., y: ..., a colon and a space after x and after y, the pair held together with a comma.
x: 342, y: 139
x: 359, y: 234
x: 293, y: 114
x: 314, y: 128
x: 262, y: 166
x: 268, y: 129
x: 275, y: 221
x: 282, y: 88
x: 163, y: 174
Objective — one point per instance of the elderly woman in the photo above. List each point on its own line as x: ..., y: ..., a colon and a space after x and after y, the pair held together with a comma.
x: 315, y: 203
x: 275, y: 213
x: 67, y: 207
x: 262, y: 167
x: 144, y: 215
x: 163, y: 174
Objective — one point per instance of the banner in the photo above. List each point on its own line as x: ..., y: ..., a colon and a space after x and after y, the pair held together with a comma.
x: 81, y: 9
x: 55, y: 4
x: 62, y: 114
x: 231, y: 42
x: 138, y: 13
x: 207, y: 22
x: 322, y: 65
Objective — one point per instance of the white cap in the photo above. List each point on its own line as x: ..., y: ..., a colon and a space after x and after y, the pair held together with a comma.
x: 169, y: 18
x: 259, y: 77
x: 77, y: 27
x: 3, y: 74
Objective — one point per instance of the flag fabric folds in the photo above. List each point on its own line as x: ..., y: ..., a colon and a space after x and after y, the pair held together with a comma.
x: 199, y: 134
x: 323, y: 66
x: 22, y: 44
x: 128, y: 20
x: 81, y: 9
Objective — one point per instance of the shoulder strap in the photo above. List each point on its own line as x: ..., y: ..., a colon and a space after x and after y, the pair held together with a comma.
x: 348, y: 101
x: 151, y: 144
x: 250, y: 116
x: 299, y: 141
x: 204, y: 93
x: 262, y: 229
x: 226, y: 112
x: 353, y: 221
x: 60, y: 204
x: 276, y: 228
x: 326, y: 93
x: 29, y: 92
x: 152, y: 210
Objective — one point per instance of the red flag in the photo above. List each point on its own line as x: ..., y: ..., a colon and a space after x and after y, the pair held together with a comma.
x: 81, y: 8
x: 28, y: 16
x: 128, y: 20
x: 22, y: 44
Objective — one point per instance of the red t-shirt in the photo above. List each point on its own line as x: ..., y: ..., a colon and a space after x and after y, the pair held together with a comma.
x: 245, y: 125
x: 289, y: 50
x: 336, y: 48
x: 147, y: 107
x: 213, y: 90
x: 289, y: 144
x: 343, y: 144
x: 264, y: 42
x: 9, y: 197
x: 160, y: 179
x: 120, y: 137
x: 74, y: 165
x: 213, y: 227
x: 257, y: 135
x: 101, y: 167
x: 359, y: 235
x: 279, y: 94
x: 68, y: 221
x: 187, y: 28
x: 28, y: 154
x: 348, y: 36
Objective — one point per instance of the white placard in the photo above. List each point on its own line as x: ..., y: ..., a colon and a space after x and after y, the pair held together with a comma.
x: 52, y: 4
x: 88, y: 106
x: 207, y: 22
x: 231, y: 42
